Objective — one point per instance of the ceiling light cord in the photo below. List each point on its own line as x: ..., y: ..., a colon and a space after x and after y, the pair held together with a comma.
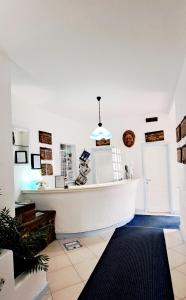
x: 99, y: 124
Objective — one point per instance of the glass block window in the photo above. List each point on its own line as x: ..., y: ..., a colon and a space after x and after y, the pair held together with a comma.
x: 117, y: 163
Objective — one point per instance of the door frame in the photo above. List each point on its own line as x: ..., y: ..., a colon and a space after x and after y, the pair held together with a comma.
x: 157, y: 144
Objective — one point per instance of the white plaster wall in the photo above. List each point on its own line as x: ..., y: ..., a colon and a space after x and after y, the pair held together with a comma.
x: 180, y: 104
x: 6, y: 166
x: 68, y: 131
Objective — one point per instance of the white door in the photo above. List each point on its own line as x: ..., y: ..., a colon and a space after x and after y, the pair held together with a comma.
x: 156, y: 177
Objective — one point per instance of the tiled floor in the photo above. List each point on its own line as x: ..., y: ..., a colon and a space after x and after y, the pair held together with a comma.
x: 69, y: 270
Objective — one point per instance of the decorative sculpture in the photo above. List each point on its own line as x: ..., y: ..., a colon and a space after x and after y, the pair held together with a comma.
x: 83, y: 168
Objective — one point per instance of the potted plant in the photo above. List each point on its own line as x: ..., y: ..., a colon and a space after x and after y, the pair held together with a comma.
x: 24, y: 247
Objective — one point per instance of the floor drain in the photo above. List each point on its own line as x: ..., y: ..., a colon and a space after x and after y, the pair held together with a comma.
x: 72, y: 245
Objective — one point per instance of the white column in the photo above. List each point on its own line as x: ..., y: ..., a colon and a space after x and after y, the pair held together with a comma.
x: 6, y: 159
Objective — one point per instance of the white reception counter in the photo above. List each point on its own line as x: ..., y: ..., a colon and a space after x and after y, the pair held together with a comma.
x: 89, y: 207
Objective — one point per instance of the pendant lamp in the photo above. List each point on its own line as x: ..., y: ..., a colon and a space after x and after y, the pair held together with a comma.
x: 100, y: 132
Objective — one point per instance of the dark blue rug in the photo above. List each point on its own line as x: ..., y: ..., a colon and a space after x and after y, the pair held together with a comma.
x: 169, y: 222
x: 134, y: 266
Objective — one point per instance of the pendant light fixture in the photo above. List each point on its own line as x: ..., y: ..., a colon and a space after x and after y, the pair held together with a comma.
x: 100, y: 132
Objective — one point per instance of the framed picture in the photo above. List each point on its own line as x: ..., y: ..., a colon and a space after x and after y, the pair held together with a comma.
x: 59, y: 181
x: 35, y: 161
x: 46, y: 153
x: 21, y: 157
x: 45, y: 137
x: 154, y: 136
x: 179, y: 155
x: 184, y: 154
x: 178, y: 133
x: 183, y: 127
x: 46, y: 169
x: 103, y: 142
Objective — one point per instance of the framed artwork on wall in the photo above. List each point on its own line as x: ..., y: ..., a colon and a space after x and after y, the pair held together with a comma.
x: 35, y: 161
x: 21, y: 157
x: 154, y: 136
x: 178, y: 133
x: 184, y: 154
x: 45, y: 137
x: 46, y: 153
x: 103, y: 142
x: 179, y: 155
x: 46, y: 169
x: 183, y: 127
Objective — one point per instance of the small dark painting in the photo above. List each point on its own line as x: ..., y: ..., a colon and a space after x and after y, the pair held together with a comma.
x: 179, y: 155
x: 45, y: 137
x: 183, y: 127
x: 178, y: 133
x: 154, y: 136
x: 46, y: 153
x: 103, y: 142
x: 184, y: 154
x: 128, y: 138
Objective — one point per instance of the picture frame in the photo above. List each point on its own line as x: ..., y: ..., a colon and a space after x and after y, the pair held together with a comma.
x: 179, y: 155
x: 184, y: 154
x: 35, y: 161
x: 45, y: 153
x: 21, y: 157
x: 45, y: 137
x: 59, y: 181
x: 154, y: 136
x: 183, y: 128
x: 103, y: 142
x: 46, y: 169
x: 178, y: 133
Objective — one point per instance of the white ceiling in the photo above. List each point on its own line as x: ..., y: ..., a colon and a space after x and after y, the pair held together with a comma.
x: 130, y: 52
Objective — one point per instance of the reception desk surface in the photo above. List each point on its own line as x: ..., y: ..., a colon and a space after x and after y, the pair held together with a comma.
x: 89, y: 207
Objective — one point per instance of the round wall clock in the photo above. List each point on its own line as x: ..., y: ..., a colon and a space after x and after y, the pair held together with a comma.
x: 128, y: 138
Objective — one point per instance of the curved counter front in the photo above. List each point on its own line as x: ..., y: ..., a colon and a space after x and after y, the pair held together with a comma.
x: 87, y: 208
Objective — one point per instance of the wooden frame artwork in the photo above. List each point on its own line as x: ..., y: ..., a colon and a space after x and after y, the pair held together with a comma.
x: 103, y: 142
x: 178, y: 133
x: 46, y: 153
x: 184, y: 154
x: 179, y: 155
x: 45, y: 137
x: 183, y: 127
x: 35, y: 161
x: 21, y: 157
x: 46, y: 169
x: 154, y: 136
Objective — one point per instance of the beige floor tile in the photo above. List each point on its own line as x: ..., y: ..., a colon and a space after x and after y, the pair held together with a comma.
x: 69, y: 293
x: 182, y: 269
x: 107, y: 235
x: 58, y: 262
x: 179, y: 284
x: 175, y: 259
x: 173, y: 238
x: 98, y: 248
x: 85, y: 268
x: 53, y: 249
x: 79, y: 255
x: 181, y: 249
x: 92, y: 240
x: 47, y: 297
x: 62, y: 278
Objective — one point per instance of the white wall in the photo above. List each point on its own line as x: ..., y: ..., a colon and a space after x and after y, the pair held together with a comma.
x: 180, y: 104
x: 6, y: 166
x: 69, y: 131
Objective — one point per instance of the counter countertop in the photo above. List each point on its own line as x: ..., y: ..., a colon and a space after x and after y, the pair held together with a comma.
x: 80, y: 188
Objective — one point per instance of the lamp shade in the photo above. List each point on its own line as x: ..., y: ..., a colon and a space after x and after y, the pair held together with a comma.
x: 100, y: 133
